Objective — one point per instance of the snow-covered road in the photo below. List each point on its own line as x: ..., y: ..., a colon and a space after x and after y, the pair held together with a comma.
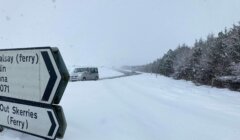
x: 146, y: 107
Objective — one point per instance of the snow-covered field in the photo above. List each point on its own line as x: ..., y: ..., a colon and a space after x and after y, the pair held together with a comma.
x: 146, y: 107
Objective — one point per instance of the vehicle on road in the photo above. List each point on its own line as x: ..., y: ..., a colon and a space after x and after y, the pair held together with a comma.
x: 84, y: 73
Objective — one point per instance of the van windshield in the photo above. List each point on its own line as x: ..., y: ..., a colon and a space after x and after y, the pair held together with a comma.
x: 76, y: 70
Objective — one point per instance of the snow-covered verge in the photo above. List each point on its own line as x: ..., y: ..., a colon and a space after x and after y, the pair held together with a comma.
x: 105, y: 72
x: 146, y: 107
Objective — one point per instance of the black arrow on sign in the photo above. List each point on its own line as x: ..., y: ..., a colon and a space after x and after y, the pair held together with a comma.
x: 53, y: 127
x: 53, y: 76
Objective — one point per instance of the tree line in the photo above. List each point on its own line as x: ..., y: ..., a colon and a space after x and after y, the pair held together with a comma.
x: 214, y: 61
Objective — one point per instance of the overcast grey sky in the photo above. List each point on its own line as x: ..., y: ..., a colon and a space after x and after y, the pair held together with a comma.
x: 112, y: 32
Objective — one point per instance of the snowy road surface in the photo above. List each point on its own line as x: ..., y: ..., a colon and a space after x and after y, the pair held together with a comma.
x: 143, y: 107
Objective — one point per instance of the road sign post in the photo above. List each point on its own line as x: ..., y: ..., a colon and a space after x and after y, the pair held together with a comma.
x: 32, y: 82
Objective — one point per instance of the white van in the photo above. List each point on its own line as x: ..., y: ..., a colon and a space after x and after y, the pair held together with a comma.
x: 82, y: 74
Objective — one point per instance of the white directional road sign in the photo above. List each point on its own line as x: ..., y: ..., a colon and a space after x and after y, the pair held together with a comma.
x: 30, y: 74
x: 31, y: 81
x: 38, y: 121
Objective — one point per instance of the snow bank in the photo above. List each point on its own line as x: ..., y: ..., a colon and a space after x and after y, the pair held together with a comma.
x: 105, y: 72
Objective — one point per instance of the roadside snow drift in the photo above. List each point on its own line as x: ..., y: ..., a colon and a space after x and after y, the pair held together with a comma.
x: 146, y: 107
x: 105, y: 72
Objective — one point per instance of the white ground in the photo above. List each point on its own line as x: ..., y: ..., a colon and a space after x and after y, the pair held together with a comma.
x: 105, y: 72
x: 144, y: 107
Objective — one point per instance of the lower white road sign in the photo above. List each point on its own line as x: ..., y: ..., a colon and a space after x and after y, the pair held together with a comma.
x: 31, y: 119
